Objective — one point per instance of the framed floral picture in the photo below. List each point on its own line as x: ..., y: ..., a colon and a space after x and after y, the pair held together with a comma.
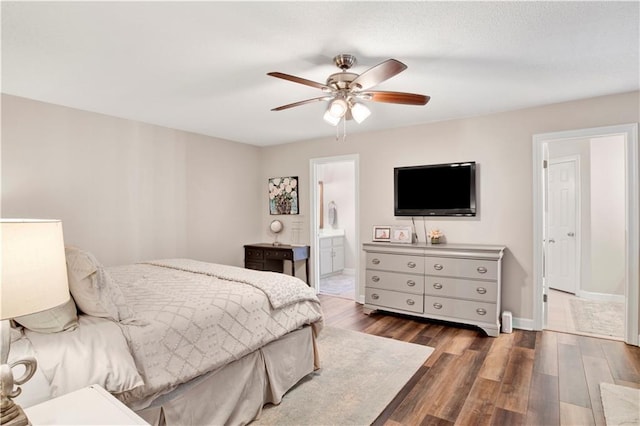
x: 283, y: 195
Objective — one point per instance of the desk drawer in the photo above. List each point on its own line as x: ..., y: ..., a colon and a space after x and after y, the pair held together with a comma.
x: 394, y: 299
x: 254, y: 265
x: 253, y: 254
x: 278, y: 254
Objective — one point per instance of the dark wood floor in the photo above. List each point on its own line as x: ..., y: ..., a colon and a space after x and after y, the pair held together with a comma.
x: 523, y: 378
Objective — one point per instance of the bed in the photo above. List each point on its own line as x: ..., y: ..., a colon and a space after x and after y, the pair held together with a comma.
x: 177, y: 340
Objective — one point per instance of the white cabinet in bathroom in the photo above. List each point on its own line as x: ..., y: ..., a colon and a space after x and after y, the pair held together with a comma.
x: 331, y: 253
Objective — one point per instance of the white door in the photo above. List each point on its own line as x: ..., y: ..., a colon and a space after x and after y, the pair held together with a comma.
x: 562, y: 220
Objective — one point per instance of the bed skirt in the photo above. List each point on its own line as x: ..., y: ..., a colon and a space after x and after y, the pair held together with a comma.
x: 235, y: 393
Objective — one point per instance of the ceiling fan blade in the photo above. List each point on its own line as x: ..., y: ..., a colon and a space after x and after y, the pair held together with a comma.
x: 299, y: 80
x: 377, y: 74
x: 395, y: 97
x: 306, y: 101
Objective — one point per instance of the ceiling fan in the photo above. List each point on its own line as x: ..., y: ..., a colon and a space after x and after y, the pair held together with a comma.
x: 345, y: 90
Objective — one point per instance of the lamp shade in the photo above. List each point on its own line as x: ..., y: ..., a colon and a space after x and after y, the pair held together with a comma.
x: 359, y: 112
x: 330, y: 118
x: 34, y: 270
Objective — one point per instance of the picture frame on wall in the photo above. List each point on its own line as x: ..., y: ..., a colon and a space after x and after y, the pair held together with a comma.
x: 401, y: 235
x: 381, y: 233
x: 283, y: 195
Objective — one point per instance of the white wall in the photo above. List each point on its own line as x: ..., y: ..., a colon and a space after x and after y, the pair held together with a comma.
x: 607, y: 215
x: 501, y: 144
x: 129, y: 191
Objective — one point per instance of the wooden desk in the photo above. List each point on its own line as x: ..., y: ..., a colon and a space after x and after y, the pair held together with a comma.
x: 267, y: 257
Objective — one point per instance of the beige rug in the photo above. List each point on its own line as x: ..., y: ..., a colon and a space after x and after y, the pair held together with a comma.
x: 621, y: 404
x: 604, y: 318
x: 360, y: 376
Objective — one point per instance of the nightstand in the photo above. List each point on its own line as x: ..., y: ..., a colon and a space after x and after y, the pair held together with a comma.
x: 87, y: 406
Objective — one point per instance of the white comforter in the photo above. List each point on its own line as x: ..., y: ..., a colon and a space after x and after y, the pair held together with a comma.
x: 188, y: 323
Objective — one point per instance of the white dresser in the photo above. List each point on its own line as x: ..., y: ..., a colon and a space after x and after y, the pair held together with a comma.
x: 451, y: 282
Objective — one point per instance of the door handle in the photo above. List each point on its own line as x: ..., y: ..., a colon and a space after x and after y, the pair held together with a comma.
x: 570, y: 234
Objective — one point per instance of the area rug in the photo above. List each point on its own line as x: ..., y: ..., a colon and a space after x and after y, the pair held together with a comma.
x: 342, y: 285
x: 621, y: 404
x: 604, y: 318
x: 360, y: 376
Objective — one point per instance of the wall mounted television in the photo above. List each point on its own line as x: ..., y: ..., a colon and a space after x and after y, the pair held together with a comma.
x: 435, y: 190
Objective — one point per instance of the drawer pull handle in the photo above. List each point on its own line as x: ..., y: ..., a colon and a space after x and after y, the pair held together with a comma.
x: 411, y: 283
x: 437, y: 305
x: 481, y: 311
x: 482, y: 270
x: 375, y: 261
x: 375, y: 296
x: 481, y: 290
x: 437, y: 286
x: 438, y: 267
x: 410, y: 302
x: 411, y: 265
x: 375, y: 278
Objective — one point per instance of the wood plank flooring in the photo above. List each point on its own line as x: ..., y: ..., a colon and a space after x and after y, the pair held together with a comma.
x: 524, y: 378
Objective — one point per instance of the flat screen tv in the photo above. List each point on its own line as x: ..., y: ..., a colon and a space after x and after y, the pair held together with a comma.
x: 435, y: 190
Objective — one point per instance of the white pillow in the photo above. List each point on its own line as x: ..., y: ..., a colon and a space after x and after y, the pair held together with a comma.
x: 54, y: 320
x: 93, y: 291
x: 95, y: 353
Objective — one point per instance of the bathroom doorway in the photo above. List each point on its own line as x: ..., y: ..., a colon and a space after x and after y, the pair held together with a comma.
x: 335, y: 232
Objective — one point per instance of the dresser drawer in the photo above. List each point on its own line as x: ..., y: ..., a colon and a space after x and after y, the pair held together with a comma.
x: 461, y: 309
x: 484, y: 291
x: 467, y: 268
x: 394, y: 299
x: 396, y: 281
x: 277, y: 254
x: 396, y: 263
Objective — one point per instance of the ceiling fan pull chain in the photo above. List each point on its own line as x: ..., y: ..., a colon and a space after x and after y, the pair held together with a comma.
x: 344, y: 129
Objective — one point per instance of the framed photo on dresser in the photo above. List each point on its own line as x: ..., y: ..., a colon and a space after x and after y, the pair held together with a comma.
x: 381, y: 233
x: 401, y: 234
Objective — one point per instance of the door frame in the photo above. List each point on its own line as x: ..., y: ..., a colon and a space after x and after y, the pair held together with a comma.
x: 632, y: 225
x: 314, y: 223
x: 578, y: 215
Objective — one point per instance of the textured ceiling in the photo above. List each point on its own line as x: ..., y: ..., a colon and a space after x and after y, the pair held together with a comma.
x: 201, y: 66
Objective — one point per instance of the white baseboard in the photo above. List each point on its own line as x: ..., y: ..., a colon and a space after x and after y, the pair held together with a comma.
x: 523, y: 323
x: 602, y: 297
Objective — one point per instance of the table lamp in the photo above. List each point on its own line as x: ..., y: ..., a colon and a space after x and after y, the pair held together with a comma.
x: 34, y: 279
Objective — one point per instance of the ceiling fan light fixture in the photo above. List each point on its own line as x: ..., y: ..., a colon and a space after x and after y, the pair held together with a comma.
x: 359, y: 112
x: 338, y: 108
x: 330, y: 118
